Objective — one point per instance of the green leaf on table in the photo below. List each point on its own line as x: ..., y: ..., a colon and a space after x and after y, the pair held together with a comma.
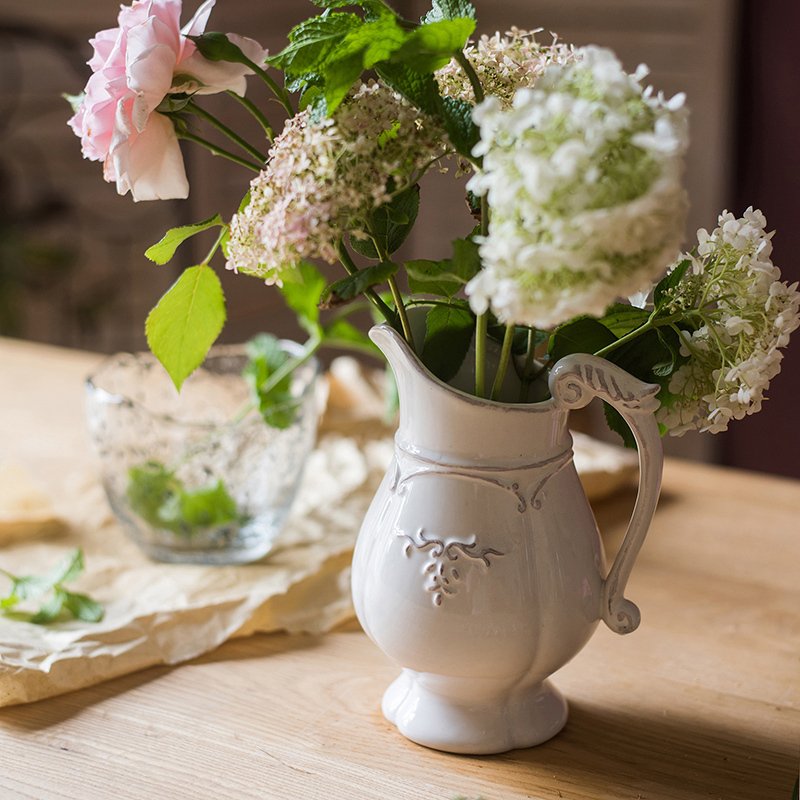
x: 60, y: 602
x: 431, y: 46
x: 390, y: 224
x: 448, y: 333
x: 302, y: 289
x: 270, y: 388
x: 449, y: 9
x: 669, y: 282
x: 186, y: 322
x: 347, y: 289
x: 163, y: 250
x: 582, y: 335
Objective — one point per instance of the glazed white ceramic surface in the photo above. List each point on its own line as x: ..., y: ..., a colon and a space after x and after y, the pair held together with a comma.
x: 479, y: 568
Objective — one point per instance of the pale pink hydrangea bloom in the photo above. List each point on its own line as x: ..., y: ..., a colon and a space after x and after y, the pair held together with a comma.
x: 134, y: 67
x: 324, y: 177
x: 748, y: 314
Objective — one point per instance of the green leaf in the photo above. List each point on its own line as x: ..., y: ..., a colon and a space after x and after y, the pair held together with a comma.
x: 583, y: 335
x: 669, y: 282
x: 617, y: 424
x: 302, y: 289
x: 163, y: 251
x: 449, y: 9
x: 431, y: 46
x: 466, y: 259
x: 192, y: 509
x: 341, y: 333
x: 313, y: 41
x: 621, y: 319
x: 82, y: 607
x: 390, y: 224
x: 420, y: 90
x: 448, y: 333
x: 448, y: 276
x: 347, y: 289
x: 273, y: 398
x: 150, y: 486
x: 51, y: 609
x: 461, y: 130
x: 186, y: 322
x: 217, y: 47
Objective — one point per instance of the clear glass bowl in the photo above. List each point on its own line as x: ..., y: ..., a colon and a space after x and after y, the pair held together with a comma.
x: 198, y: 477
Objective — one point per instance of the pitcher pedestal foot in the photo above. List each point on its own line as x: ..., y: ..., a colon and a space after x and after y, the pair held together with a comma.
x: 461, y: 715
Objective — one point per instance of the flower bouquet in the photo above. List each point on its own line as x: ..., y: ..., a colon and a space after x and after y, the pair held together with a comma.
x: 574, y: 189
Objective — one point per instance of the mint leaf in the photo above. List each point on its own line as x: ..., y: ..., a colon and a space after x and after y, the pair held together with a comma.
x: 150, y: 486
x: 347, y: 289
x: 390, y: 224
x: 163, y: 250
x: 313, y: 41
x: 449, y: 9
x: 456, y: 116
x: 273, y: 397
x: 301, y: 290
x: 431, y: 46
x: 82, y: 607
x: 190, y: 509
x: 420, y: 90
x: 583, y: 335
x: 186, y: 322
x: 50, y: 610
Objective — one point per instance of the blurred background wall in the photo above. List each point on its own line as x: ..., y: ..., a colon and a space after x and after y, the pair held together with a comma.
x: 71, y: 265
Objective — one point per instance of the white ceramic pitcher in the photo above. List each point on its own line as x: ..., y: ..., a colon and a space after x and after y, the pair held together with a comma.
x: 479, y: 568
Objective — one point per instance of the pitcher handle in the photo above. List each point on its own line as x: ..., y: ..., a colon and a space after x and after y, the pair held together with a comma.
x: 574, y: 381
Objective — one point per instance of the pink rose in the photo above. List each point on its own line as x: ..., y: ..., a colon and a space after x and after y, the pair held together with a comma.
x: 134, y: 67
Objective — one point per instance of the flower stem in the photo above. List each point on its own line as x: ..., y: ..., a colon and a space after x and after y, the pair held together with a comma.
x: 469, y: 71
x: 226, y: 131
x: 256, y: 112
x: 216, y: 245
x: 218, y: 151
x: 502, y: 367
x: 401, y: 311
x: 280, y: 93
x: 481, y: 325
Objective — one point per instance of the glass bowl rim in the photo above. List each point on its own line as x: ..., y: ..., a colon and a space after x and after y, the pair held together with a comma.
x: 103, y: 396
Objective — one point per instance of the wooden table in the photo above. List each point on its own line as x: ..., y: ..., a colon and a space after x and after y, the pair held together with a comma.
x: 703, y: 701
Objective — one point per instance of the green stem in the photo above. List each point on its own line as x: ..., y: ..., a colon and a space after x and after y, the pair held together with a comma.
x: 218, y: 151
x: 469, y: 71
x: 226, y: 131
x: 502, y: 367
x: 481, y: 327
x: 216, y: 245
x: 370, y: 294
x: 291, y: 364
x: 527, y: 378
x: 256, y: 112
x: 396, y: 295
x: 280, y: 93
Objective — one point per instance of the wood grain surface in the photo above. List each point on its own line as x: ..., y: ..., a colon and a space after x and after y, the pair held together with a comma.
x: 703, y: 701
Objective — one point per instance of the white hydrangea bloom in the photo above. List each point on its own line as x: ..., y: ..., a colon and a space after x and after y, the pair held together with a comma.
x: 583, y: 178
x: 745, y: 315
x: 323, y: 178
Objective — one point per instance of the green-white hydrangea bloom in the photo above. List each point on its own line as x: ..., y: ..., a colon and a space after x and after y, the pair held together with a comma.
x: 744, y: 315
x: 583, y: 178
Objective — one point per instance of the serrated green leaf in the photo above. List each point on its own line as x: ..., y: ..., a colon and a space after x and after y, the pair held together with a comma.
x: 390, y: 224
x: 448, y: 333
x: 583, y: 335
x: 302, y: 289
x: 192, y: 509
x: 617, y: 424
x: 431, y: 46
x: 449, y: 9
x: 82, y: 607
x: 669, y: 282
x: 163, y: 250
x: 186, y: 322
x: 352, y: 286
x: 433, y: 277
x: 313, y: 41
x: 456, y: 116
x: 420, y: 90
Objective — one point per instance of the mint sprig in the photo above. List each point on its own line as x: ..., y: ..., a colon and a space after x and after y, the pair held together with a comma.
x: 57, y: 602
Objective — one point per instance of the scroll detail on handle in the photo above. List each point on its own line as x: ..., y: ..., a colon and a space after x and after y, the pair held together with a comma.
x: 574, y: 381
